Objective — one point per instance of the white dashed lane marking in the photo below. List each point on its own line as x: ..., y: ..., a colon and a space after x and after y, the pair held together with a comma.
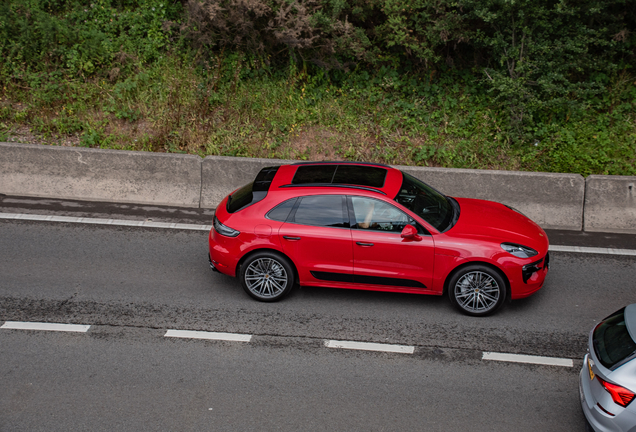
x: 239, y: 337
x: 17, y: 325
x: 194, y: 227
x: 520, y: 358
x: 190, y: 334
x: 366, y: 346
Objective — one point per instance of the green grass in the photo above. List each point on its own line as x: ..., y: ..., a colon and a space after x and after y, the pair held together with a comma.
x: 153, y: 75
x: 236, y: 109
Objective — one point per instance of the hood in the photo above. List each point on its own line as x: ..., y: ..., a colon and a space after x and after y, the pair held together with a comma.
x: 493, y: 221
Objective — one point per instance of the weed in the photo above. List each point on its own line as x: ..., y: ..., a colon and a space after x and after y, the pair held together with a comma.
x: 116, y: 74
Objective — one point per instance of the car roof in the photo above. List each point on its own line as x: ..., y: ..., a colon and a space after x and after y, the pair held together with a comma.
x: 378, y: 178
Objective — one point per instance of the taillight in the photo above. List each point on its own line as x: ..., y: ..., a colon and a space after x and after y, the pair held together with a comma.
x: 620, y: 395
x: 224, y: 230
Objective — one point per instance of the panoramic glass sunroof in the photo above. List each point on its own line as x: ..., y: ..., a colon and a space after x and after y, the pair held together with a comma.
x: 341, y: 174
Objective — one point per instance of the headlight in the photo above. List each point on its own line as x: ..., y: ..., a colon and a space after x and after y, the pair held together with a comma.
x: 224, y: 230
x: 518, y: 250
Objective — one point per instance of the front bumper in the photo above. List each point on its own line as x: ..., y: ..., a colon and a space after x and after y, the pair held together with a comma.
x: 528, y: 270
x: 529, y: 279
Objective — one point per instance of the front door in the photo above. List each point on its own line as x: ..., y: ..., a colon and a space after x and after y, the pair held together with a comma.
x: 381, y: 257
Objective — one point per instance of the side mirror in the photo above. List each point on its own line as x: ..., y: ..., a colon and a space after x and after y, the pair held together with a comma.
x: 410, y: 233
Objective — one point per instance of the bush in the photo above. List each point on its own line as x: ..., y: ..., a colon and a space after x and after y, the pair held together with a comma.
x: 304, y: 30
x: 104, y: 38
x: 500, y: 84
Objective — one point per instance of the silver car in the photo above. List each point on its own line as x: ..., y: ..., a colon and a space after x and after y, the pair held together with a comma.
x: 607, y: 383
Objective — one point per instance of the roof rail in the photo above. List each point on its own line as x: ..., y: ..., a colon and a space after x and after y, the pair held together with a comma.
x: 332, y: 185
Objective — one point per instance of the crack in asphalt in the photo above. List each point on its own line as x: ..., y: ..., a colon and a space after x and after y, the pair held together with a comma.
x: 64, y: 302
x: 313, y: 326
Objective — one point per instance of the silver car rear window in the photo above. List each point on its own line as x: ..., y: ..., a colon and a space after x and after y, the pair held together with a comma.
x: 612, y: 342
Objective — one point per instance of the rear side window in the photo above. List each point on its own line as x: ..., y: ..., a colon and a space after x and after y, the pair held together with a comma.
x: 322, y: 210
x: 281, y: 211
x: 612, y: 342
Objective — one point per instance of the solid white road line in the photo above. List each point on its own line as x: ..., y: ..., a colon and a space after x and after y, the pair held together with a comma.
x: 17, y: 325
x: 167, y: 225
x: 594, y: 250
x: 99, y: 221
x: 366, y: 346
x: 520, y: 358
x: 190, y: 334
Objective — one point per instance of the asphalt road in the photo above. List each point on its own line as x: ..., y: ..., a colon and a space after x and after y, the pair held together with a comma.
x: 133, y: 284
x: 116, y: 378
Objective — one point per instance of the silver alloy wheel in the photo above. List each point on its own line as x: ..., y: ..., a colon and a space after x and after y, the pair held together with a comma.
x: 266, y: 278
x: 477, y: 292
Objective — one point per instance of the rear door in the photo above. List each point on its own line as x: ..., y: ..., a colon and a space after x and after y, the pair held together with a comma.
x: 317, y: 238
x: 380, y: 255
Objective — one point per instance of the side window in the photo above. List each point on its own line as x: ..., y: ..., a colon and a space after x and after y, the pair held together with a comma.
x: 322, y: 210
x: 377, y: 215
x: 281, y: 211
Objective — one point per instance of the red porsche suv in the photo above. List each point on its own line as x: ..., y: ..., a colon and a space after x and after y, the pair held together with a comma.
x: 373, y: 227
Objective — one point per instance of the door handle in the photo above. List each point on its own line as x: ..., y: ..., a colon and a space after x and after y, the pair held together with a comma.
x: 291, y: 238
x: 364, y: 244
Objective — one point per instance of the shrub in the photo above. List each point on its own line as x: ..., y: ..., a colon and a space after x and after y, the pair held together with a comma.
x: 104, y: 37
x: 305, y: 30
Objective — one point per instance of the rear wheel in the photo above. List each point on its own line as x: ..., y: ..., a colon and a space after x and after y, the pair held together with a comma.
x: 477, y: 290
x: 267, y: 276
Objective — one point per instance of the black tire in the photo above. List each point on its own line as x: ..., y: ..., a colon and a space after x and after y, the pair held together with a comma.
x: 267, y: 276
x: 477, y: 290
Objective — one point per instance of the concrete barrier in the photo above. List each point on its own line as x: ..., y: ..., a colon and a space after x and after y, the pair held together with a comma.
x: 100, y: 175
x: 554, y: 201
x: 610, y: 204
x: 223, y: 174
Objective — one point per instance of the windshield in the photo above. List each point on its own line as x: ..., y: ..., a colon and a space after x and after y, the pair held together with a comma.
x: 426, y: 202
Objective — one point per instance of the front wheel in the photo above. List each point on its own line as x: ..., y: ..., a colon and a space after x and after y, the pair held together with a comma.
x: 267, y: 276
x: 477, y: 290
